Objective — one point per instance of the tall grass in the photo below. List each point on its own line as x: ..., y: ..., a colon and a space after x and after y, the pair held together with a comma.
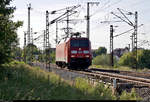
x: 19, y: 81
x: 121, y: 68
x: 130, y: 96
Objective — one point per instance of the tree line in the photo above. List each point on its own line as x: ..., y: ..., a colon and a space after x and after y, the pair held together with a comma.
x: 100, y: 57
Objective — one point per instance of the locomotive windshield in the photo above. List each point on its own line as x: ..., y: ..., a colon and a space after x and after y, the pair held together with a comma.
x: 79, y: 43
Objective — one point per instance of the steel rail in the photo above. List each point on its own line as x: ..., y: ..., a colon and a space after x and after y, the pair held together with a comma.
x: 99, y: 75
x: 135, y: 80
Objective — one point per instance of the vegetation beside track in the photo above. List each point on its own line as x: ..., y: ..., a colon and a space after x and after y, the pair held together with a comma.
x: 120, y: 68
x: 19, y: 81
x: 126, y: 62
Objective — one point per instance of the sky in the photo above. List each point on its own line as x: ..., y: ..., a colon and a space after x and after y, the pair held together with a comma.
x: 99, y: 32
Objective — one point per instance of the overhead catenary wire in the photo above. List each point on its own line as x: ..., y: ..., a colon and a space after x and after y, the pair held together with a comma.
x: 101, y: 9
x: 126, y: 31
x: 107, y: 1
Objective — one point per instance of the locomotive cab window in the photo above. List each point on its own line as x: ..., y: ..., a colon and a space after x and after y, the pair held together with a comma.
x: 79, y: 43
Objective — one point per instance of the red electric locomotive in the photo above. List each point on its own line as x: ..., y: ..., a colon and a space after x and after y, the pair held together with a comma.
x: 75, y: 53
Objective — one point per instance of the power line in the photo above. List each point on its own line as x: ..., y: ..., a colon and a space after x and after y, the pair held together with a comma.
x: 101, y: 9
x: 69, y: 11
x: 126, y: 31
x: 135, y: 27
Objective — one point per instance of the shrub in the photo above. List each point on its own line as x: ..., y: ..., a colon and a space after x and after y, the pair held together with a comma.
x: 129, y: 59
x: 144, y: 58
x: 103, y: 60
x: 99, y: 91
x: 52, y: 56
x: 130, y: 96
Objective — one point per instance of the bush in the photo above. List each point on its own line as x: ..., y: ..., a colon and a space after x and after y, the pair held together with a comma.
x: 98, y: 92
x: 103, y: 60
x: 144, y: 58
x: 130, y: 96
x: 129, y: 59
x: 52, y: 56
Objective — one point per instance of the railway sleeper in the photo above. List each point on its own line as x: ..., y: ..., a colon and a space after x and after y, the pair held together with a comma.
x: 140, y: 86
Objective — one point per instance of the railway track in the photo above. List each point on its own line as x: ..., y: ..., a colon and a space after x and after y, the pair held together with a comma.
x: 124, y: 80
x: 109, y: 76
x: 144, y: 74
x: 129, y: 79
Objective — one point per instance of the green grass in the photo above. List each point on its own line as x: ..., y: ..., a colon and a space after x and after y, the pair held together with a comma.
x: 19, y: 81
x: 129, y: 96
x: 121, y: 68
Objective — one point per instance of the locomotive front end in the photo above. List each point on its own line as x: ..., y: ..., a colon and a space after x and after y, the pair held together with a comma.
x: 80, y: 53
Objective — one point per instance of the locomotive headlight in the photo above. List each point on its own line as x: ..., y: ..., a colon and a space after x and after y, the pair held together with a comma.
x: 74, y: 52
x: 86, y: 52
x: 87, y: 56
x: 73, y: 56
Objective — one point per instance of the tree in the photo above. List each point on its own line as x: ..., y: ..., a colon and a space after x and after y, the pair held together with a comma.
x: 143, y: 59
x: 99, y: 51
x: 8, y: 28
x: 52, y: 56
x: 31, y: 51
x: 16, y: 53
